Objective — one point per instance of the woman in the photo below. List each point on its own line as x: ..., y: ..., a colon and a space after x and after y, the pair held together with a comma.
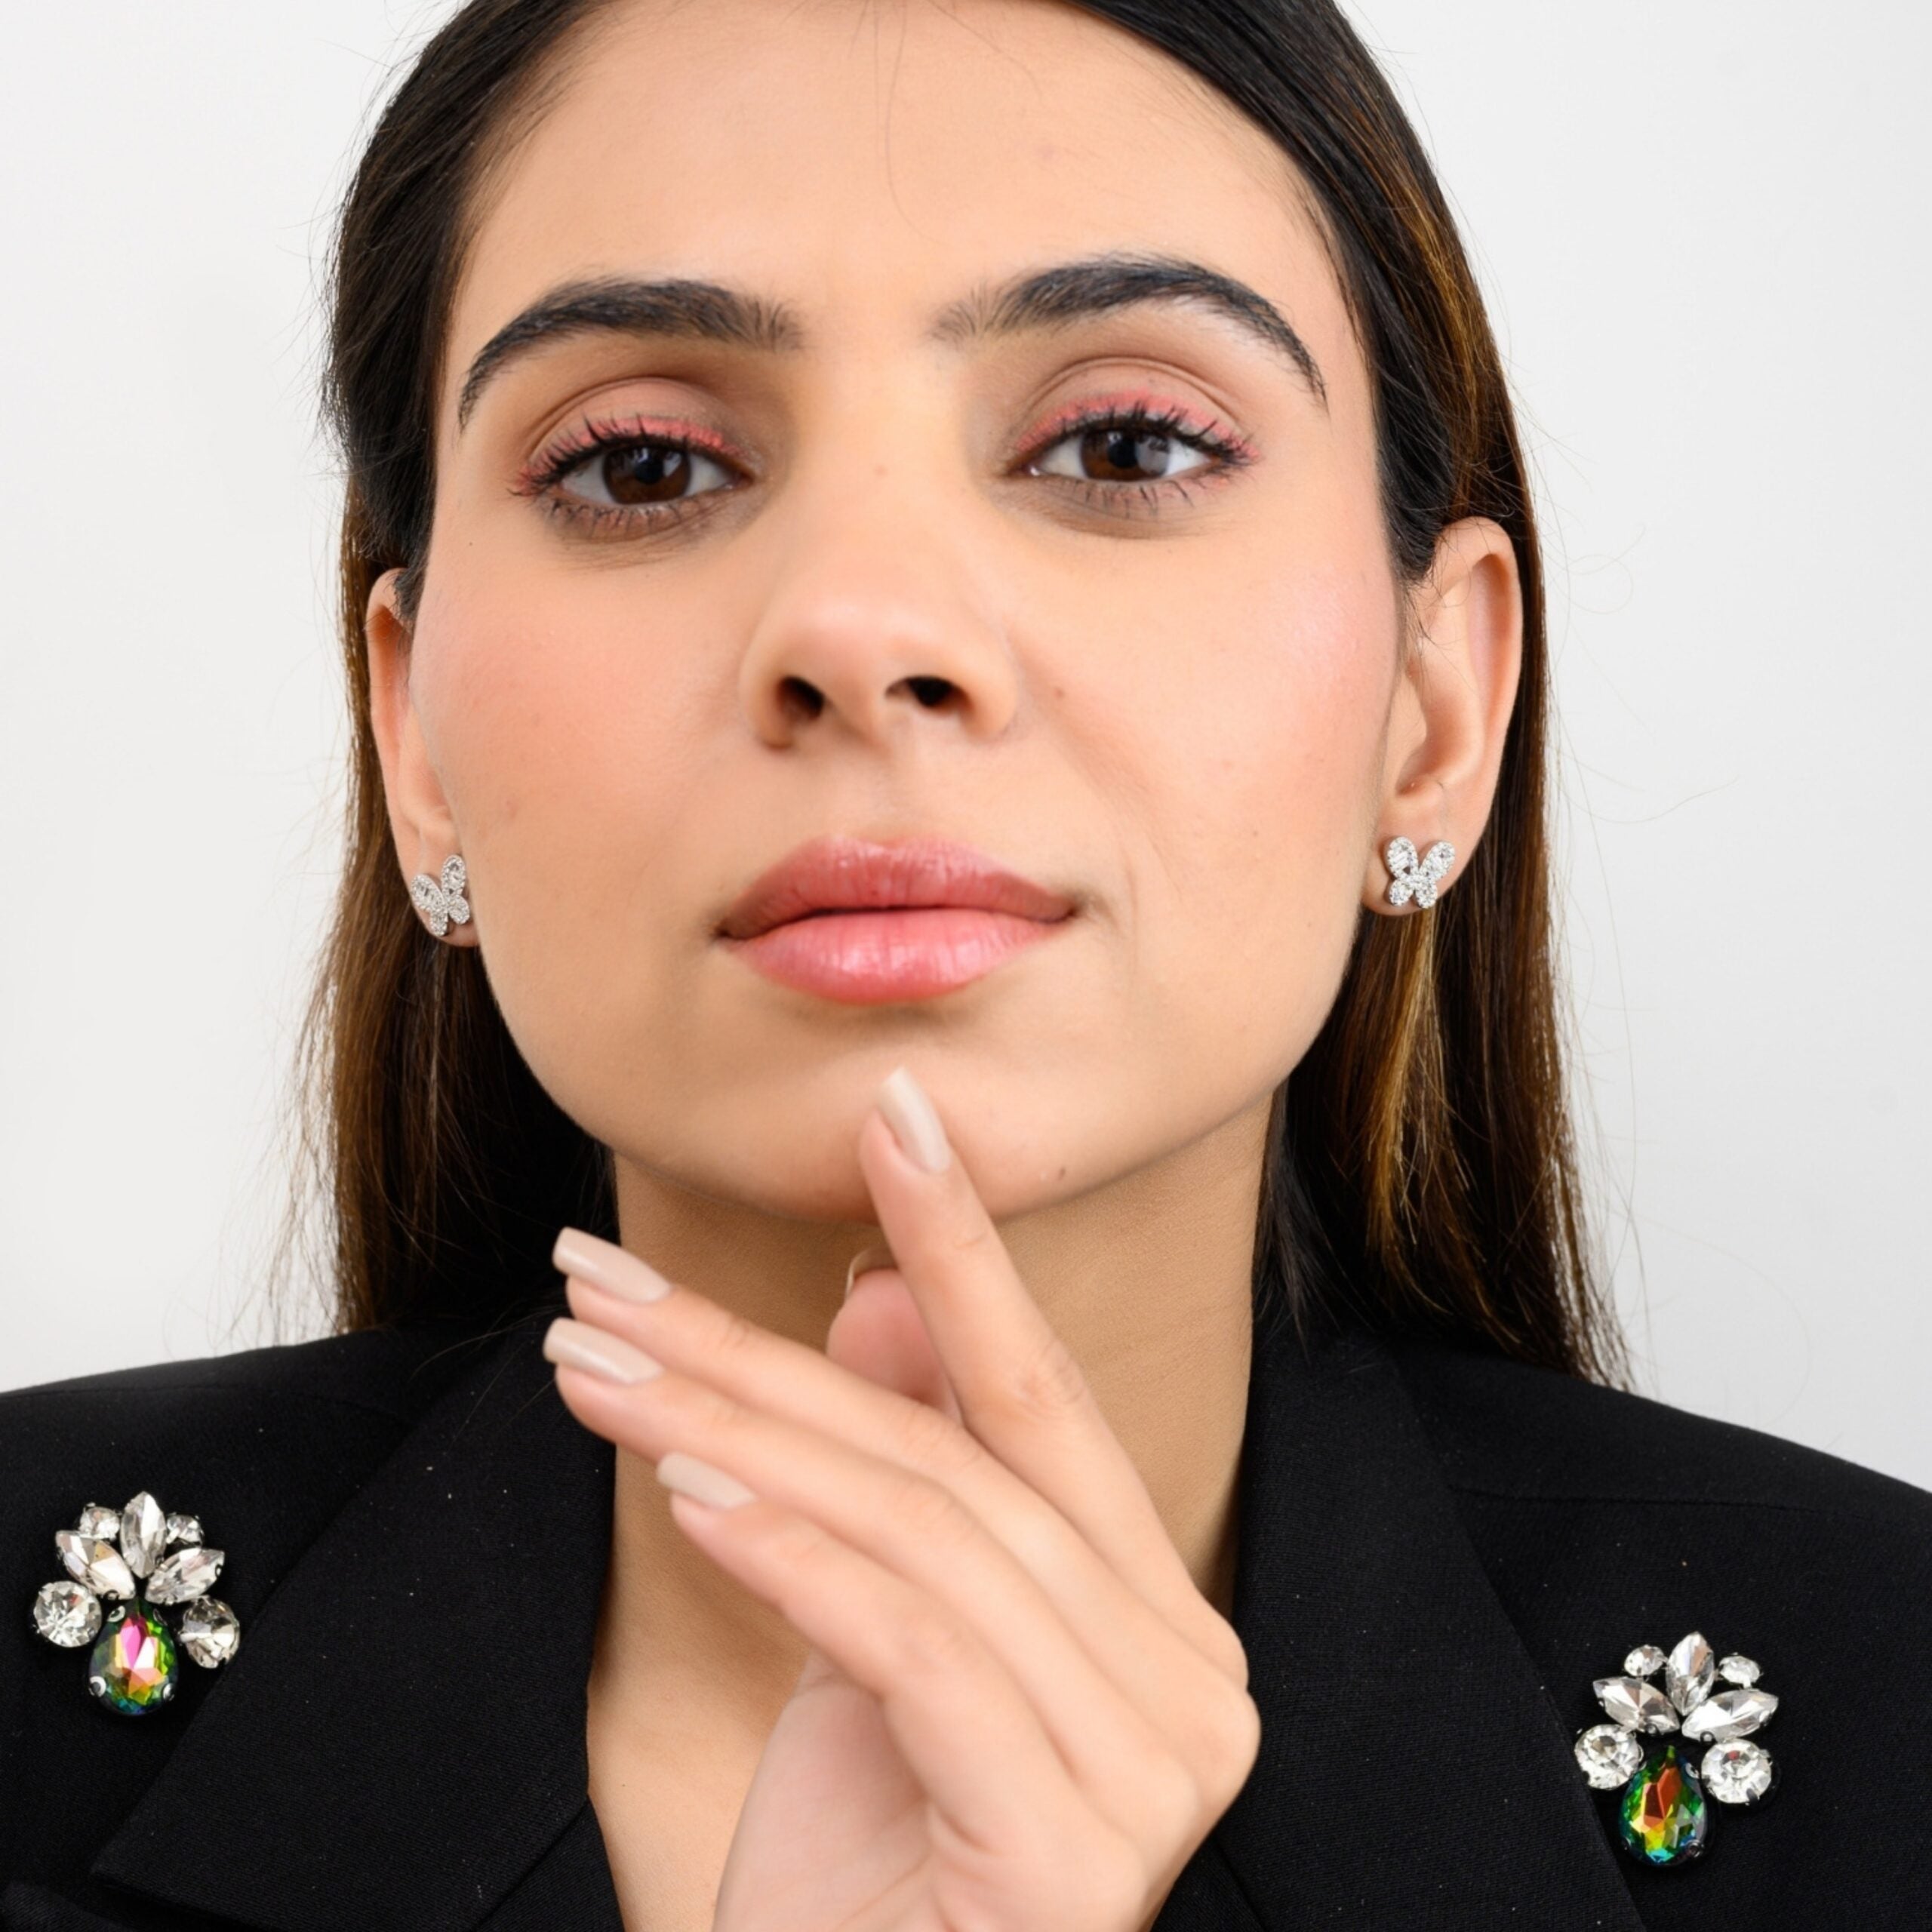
x: 945, y: 630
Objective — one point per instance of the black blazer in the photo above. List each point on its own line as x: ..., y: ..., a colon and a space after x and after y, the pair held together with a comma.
x: 1438, y: 1551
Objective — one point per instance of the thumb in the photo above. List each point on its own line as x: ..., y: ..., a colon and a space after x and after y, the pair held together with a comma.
x: 879, y: 1333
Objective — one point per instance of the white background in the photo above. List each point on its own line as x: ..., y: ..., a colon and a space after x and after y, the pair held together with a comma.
x: 1702, y: 229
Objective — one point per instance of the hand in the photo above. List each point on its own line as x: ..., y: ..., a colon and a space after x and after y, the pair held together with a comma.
x: 1018, y: 1713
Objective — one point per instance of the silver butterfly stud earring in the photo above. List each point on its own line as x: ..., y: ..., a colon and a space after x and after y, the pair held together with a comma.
x: 1416, y: 879
x: 113, y: 1602
x: 439, y: 904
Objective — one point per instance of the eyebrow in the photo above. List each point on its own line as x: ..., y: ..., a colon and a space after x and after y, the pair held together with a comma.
x: 1041, y: 300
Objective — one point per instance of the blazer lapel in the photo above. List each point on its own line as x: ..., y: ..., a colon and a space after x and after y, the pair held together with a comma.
x: 399, y: 1744
x: 403, y: 1731
x: 1413, y: 1770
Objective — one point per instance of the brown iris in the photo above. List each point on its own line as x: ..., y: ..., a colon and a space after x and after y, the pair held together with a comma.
x: 646, y: 473
x: 1115, y: 455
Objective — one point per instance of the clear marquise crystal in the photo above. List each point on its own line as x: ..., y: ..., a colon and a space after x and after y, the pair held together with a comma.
x: 1738, y: 1772
x: 68, y: 1614
x: 91, y: 1561
x: 187, y: 1573
x: 1689, y: 1672
x: 1644, y: 1661
x: 94, y: 1520
x: 184, y: 1529
x: 210, y: 1632
x: 1635, y: 1705
x: 1735, y: 1669
x: 143, y: 1533
x: 1609, y: 1755
x: 1729, y: 1714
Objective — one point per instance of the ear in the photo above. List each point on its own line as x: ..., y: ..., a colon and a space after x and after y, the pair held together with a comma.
x: 419, y: 818
x: 1452, y: 704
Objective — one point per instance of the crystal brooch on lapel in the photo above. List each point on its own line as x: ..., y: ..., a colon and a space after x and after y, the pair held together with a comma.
x: 1663, y: 1817
x: 112, y: 1597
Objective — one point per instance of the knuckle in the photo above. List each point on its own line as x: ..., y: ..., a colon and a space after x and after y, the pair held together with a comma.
x: 702, y: 1409
x: 969, y: 1231
x: 927, y: 1438
x: 1221, y: 1644
x: 929, y: 1641
x: 1046, y: 1385
x: 928, y: 1509
x: 1115, y: 1875
x: 1172, y: 1802
x: 730, y: 1334
x: 1231, y: 1724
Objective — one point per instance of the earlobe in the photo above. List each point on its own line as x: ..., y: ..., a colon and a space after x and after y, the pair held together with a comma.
x: 1449, y: 718
x: 421, y: 821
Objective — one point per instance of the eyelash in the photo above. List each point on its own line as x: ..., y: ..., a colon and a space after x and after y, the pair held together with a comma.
x: 543, y: 478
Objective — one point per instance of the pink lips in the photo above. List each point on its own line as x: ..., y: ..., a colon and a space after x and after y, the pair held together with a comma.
x: 853, y: 921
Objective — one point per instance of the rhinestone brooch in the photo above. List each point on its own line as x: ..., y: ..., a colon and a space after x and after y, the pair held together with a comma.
x: 1662, y: 1815
x: 111, y: 1598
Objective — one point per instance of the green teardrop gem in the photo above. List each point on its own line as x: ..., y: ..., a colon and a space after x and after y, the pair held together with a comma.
x: 133, y: 1669
x: 1662, y: 1816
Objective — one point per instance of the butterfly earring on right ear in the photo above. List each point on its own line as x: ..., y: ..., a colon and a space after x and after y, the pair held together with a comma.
x: 439, y: 904
x: 1414, y: 880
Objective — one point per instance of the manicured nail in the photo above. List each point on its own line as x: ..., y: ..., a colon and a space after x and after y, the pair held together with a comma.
x: 606, y: 1265
x: 689, y: 1477
x: 577, y: 1345
x: 875, y: 1257
x: 914, y: 1124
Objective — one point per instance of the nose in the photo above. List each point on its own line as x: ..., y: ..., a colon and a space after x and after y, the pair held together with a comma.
x: 881, y: 616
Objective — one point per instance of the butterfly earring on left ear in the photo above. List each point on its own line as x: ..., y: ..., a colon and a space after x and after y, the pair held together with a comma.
x: 439, y: 904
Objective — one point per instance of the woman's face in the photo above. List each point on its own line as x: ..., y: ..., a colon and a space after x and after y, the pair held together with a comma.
x: 895, y: 591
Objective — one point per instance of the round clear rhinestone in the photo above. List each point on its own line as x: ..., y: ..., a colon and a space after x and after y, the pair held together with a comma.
x: 1609, y: 1755
x: 184, y: 1529
x: 66, y: 1613
x: 1643, y: 1659
x: 1738, y: 1772
x: 101, y: 1525
x: 211, y: 1632
x: 1735, y: 1669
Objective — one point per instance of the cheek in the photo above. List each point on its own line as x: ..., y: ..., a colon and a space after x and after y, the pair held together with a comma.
x: 1255, y: 793
x: 575, y: 778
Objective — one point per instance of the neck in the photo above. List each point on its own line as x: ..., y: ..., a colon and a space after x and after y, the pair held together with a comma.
x: 1147, y: 1279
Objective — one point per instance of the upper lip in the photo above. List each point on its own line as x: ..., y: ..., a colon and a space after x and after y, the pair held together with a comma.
x: 853, y: 875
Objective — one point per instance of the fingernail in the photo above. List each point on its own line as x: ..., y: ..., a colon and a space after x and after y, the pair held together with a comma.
x: 875, y: 1257
x: 606, y: 1265
x: 577, y: 1345
x: 914, y: 1124
x: 689, y: 1477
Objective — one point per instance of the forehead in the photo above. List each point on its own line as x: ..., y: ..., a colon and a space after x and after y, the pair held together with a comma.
x: 867, y: 161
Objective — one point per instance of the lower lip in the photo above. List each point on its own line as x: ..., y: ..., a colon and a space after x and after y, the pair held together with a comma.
x: 911, y: 952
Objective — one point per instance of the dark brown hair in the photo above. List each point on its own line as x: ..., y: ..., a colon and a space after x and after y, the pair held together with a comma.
x: 1420, y: 1165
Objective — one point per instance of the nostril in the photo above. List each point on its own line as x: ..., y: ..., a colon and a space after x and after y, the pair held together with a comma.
x: 800, y: 700
x: 931, y: 692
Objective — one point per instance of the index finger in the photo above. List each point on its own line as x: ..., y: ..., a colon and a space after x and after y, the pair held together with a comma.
x: 1021, y: 1390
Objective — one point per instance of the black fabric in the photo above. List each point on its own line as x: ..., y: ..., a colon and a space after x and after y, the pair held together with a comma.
x: 1437, y: 1554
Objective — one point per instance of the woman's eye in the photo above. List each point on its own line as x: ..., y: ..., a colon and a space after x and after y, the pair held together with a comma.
x: 627, y: 475
x: 1119, y: 453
